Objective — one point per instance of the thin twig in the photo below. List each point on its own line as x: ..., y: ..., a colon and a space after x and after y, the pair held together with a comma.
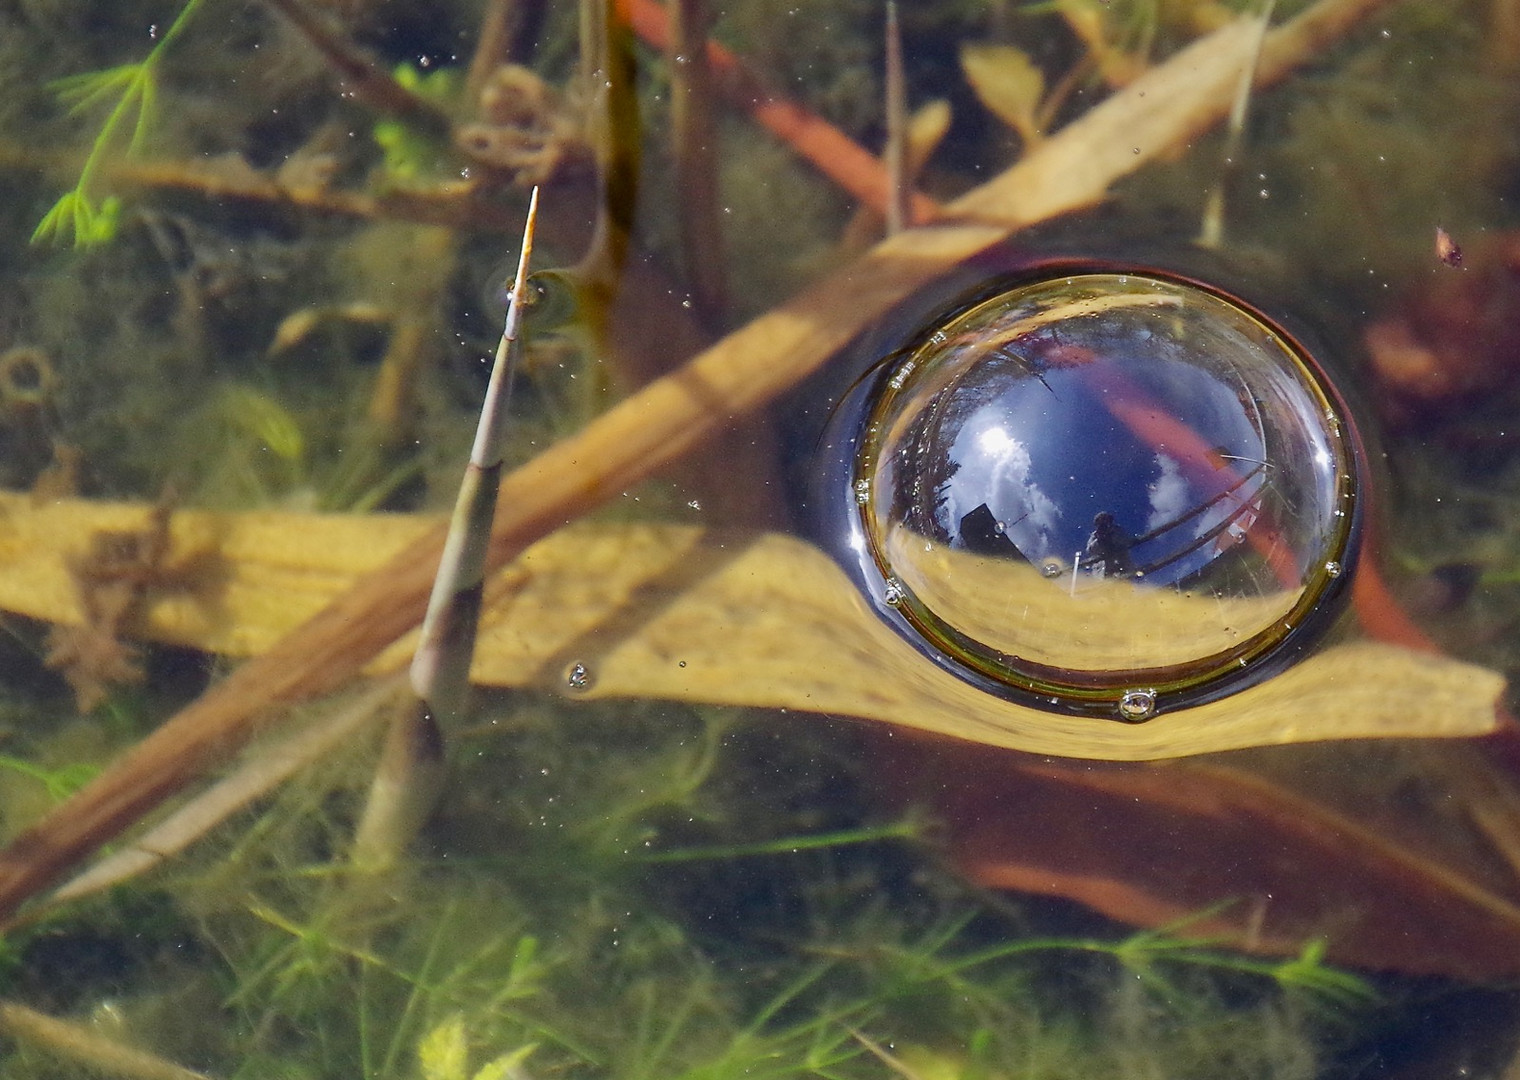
x: 694, y: 146
x: 926, y: 129
x: 265, y: 769
x: 829, y: 150
x: 409, y: 777
x: 367, y: 80
x: 80, y: 1046
x: 899, y: 192
x: 493, y: 44
x: 1211, y: 234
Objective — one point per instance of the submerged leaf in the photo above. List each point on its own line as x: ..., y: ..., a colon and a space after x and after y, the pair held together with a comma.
x: 1314, y: 843
x: 1008, y: 83
x: 444, y: 1052
x: 258, y: 414
x: 506, y: 1067
x: 684, y: 613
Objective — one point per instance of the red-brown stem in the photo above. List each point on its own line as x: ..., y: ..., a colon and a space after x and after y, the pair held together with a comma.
x: 830, y: 150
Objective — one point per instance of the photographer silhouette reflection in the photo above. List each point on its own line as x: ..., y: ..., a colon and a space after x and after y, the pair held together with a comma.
x: 1107, y: 552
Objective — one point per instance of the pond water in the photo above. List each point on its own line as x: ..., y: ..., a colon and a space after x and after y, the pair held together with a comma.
x: 881, y: 672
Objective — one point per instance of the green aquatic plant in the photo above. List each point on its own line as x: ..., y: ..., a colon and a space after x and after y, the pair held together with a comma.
x: 639, y: 893
x: 79, y: 216
x: 444, y: 1054
x: 59, y: 783
x: 1147, y: 954
x: 409, y: 154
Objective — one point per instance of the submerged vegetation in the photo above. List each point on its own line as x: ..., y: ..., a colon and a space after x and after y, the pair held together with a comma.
x: 290, y: 221
x: 580, y: 908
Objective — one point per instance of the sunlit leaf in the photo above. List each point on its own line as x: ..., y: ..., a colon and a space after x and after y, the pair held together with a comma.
x: 506, y: 1067
x: 444, y: 1052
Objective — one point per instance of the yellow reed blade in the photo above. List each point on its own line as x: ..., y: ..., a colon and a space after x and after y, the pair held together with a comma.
x: 692, y: 614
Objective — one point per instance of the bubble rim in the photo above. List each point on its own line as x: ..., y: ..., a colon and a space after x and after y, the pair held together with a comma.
x: 1257, y: 658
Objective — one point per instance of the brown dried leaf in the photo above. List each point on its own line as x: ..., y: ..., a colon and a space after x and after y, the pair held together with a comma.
x: 1387, y: 879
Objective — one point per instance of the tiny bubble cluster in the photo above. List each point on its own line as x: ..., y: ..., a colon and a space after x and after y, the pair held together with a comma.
x: 578, y: 676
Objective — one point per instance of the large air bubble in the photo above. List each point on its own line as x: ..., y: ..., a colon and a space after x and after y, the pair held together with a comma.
x: 1105, y: 489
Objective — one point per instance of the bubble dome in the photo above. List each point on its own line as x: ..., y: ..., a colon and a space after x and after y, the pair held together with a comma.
x: 1105, y: 493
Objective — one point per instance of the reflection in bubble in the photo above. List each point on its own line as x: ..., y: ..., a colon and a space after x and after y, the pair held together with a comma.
x: 1095, y: 483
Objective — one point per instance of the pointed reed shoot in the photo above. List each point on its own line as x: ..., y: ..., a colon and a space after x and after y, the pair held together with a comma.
x: 441, y: 668
x: 409, y: 777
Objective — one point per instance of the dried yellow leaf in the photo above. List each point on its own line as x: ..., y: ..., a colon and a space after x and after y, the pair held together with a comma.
x: 679, y: 612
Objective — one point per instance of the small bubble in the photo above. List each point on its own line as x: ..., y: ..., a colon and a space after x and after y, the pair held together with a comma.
x: 862, y: 491
x: 1050, y: 569
x: 901, y: 376
x: 694, y: 504
x: 894, y: 593
x: 578, y: 676
x: 1137, y: 705
x: 680, y: 663
x: 1134, y: 150
x: 1333, y: 569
